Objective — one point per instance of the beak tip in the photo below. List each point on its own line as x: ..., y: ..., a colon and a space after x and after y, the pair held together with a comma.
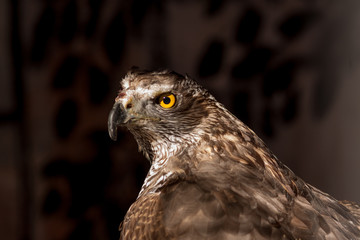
x: 113, y: 134
x: 116, y: 117
x: 112, y: 128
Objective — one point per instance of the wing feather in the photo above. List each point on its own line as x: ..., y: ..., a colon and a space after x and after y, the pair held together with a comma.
x: 143, y: 220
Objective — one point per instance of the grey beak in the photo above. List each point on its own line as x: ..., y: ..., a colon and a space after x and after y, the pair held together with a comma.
x: 117, y: 117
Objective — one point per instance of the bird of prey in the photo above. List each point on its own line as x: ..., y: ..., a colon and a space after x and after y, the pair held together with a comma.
x: 211, y: 177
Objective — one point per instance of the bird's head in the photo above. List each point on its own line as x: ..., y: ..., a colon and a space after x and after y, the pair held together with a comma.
x: 161, y: 109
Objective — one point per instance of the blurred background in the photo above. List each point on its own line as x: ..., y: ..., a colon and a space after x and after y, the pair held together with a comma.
x: 287, y: 68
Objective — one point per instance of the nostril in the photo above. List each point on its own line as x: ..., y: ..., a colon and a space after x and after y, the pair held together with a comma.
x: 129, y: 105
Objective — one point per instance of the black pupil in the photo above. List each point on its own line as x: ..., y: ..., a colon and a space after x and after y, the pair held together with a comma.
x: 166, y: 100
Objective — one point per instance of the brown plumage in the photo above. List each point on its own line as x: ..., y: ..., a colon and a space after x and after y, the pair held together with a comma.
x: 211, y: 177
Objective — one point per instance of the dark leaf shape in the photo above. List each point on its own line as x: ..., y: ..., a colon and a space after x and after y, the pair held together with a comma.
x: 87, y: 189
x: 69, y: 22
x: 95, y: 7
x: 291, y: 107
x: 214, y: 6
x: 98, y: 85
x: 279, y: 78
x: 115, y: 39
x: 87, y: 182
x: 66, y: 118
x: 293, y: 26
x: 44, y: 30
x: 57, y: 167
x: 52, y: 202
x: 65, y: 74
x: 248, y: 26
x: 139, y: 8
x: 102, y: 141
x: 113, y: 212
x: 212, y: 59
x: 82, y: 231
x: 254, y: 63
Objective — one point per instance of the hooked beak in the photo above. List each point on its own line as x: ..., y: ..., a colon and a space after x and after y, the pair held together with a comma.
x: 117, y: 116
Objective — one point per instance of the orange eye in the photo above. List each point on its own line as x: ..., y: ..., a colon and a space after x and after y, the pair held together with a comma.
x: 167, y: 100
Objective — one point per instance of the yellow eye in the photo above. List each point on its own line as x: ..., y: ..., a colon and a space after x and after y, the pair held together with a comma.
x: 167, y: 100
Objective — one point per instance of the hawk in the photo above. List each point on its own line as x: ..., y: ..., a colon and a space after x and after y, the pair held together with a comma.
x: 211, y: 177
